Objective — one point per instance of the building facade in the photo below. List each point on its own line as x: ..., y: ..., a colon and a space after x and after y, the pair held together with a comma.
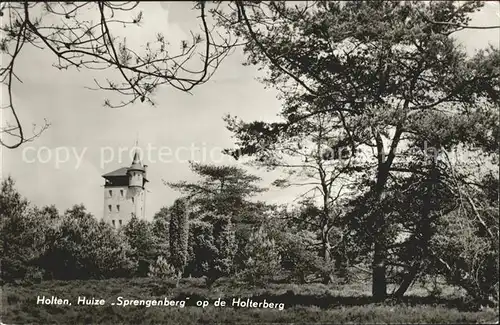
x: 125, y: 193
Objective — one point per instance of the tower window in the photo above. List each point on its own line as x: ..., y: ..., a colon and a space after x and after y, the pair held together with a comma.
x: 120, y: 222
x: 113, y: 223
x: 121, y: 193
x: 110, y: 193
x: 118, y: 208
x: 132, y: 200
x: 110, y: 208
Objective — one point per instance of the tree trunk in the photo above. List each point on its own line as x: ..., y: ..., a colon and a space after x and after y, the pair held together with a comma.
x: 379, y: 281
x: 325, y: 252
x: 407, y: 281
x: 423, y: 231
x: 341, y: 262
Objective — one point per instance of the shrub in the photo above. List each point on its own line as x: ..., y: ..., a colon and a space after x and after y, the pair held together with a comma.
x: 262, y: 259
x: 23, y: 230
x: 466, y: 257
x: 83, y: 248
x: 298, y: 258
x: 143, y: 243
x: 161, y: 269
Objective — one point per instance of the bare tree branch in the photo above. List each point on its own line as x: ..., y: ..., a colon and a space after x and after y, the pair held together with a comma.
x: 62, y: 29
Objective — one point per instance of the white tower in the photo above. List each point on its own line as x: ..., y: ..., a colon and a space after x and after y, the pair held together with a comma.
x: 125, y: 193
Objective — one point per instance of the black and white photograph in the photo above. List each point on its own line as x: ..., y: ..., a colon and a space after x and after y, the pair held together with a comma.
x: 249, y: 162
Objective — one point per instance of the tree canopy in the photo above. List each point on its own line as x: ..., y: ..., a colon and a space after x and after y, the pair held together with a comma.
x: 397, y: 83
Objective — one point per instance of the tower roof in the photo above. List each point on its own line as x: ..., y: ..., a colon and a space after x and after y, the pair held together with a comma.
x: 123, y: 171
x: 136, y: 163
x: 116, y: 173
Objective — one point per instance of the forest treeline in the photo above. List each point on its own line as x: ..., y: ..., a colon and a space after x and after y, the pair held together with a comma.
x: 217, y: 230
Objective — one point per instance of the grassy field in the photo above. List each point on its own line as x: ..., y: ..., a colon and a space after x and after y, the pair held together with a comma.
x: 303, y: 304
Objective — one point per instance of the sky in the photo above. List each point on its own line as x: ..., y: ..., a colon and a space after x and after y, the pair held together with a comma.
x: 92, y: 134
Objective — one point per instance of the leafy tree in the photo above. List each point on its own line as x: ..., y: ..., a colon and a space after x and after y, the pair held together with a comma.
x: 178, y: 236
x: 41, y: 243
x: 11, y: 201
x: 306, y: 157
x: 22, y: 228
x: 296, y: 234
x: 84, y: 248
x: 143, y: 243
x: 298, y: 255
x: 51, y: 212
x: 385, y: 71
